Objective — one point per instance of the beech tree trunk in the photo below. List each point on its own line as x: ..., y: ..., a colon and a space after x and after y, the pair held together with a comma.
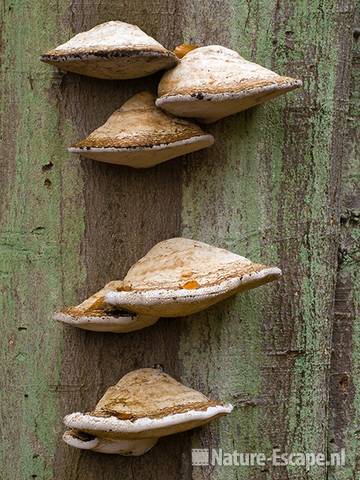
x: 280, y: 186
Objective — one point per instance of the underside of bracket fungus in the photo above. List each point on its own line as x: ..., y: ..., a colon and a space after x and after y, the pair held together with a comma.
x: 96, y: 315
x: 180, y: 277
x: 112, y: 50
x: 213, y: 82
x: 143, y: 406
x: 141, y: 135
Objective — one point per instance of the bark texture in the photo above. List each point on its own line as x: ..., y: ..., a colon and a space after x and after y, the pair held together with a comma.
x: 278, y: 186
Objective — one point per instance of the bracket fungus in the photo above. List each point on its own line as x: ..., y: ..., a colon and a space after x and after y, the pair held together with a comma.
x: 141, y: 135
x: 143, y: 406
x: 113, y: 50
x: 179, y: 277
x: 96, y: 315
x: 213, y: 82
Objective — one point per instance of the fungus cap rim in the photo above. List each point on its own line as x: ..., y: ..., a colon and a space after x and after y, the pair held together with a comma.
x: 79, y: 55
x: 166, y: 295
x: 230, y: 95
x: 86, y: 319
x: 81, y: 421
x: 108, y: 323
x: 148, y: 148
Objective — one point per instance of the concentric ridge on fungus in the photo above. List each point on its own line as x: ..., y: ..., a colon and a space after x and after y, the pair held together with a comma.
x: 165, y: 412
x: 143, y: 406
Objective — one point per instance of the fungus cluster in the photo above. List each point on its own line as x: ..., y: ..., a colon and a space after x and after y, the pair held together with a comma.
x: 177, y: 277
x: 205, y: 83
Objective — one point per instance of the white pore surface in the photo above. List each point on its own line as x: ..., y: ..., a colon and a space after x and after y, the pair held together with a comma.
x: 76, y: 442
x: 118, y: 446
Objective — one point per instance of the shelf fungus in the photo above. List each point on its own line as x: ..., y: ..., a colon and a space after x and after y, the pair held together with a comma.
x: 213, y: 82
x: 113, y: 51
x: 179, y: 277
x: 96, y: 315
x: 140, y: 135
x: 143, y: 406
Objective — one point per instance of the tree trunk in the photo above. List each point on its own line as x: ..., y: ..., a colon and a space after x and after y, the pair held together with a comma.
x: 270, y: 189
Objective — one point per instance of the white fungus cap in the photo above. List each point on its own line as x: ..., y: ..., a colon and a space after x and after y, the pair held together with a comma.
x: 113, y: 50
x: 180, y: 277
x: 143, y: 406
x: 213, y: 82
x: 140, y: 135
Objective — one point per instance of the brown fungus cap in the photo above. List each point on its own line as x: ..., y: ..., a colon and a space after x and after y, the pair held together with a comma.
x: 114, y: 50
x: 144, y: 405
x: 96, y: 315
x: 213, y: 82
x: 141, y: 135
x: 180, y: 276
x: 149, y: 393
